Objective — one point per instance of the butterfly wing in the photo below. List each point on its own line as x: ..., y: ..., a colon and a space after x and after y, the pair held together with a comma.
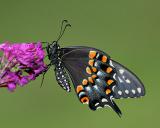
x: 94, y: 75
x: 128, y: 84
x: 85, y: 66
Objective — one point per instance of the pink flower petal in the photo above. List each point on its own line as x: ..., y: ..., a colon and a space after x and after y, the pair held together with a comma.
x: 11, y: 86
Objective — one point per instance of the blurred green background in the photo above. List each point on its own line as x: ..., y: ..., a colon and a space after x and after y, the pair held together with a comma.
x: 129, y: 31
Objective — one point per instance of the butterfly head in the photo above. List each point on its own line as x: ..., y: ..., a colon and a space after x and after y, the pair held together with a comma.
x: 53, y: 48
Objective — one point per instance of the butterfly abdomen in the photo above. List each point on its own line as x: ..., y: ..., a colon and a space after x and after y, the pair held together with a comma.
x: 61, y: 76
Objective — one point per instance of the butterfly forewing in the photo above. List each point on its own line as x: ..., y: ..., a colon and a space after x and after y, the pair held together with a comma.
x: 91, y: 75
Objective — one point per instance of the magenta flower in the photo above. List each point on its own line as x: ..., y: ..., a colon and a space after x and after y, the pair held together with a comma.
x: 20, y: 63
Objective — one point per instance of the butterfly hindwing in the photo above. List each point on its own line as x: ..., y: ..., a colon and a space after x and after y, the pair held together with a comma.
x: 128, y: 84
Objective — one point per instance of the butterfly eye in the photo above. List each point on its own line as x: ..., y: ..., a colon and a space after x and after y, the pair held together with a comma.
x: 85, y: 100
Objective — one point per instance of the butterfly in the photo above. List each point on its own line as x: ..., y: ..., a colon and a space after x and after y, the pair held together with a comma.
x: 97, y: 78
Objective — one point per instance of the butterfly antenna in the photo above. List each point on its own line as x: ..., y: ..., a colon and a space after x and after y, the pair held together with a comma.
x: 63, y: 29
x: 42, y: 79
x: 62, y: 24
x: 44, y: 74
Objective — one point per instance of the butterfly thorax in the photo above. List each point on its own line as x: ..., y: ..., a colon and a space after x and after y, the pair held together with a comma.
x: 53, y: 52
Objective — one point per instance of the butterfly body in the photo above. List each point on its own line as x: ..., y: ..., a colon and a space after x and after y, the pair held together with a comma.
x: 62, y: 78
x: 97, y: 78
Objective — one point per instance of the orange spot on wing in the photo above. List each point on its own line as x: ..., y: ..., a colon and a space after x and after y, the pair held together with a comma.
x: 109, y: 70
x: 90, y: 80
x: 85, y: 100
x: 109, y: 82
x: 88, y: 70
x: 108, y: 91
x: 85, y: 82
x: 104, y: 59
x: 91, y: 62
x: 94, y: 69
x: 79, y: 88
x: 94, y: 76
x: 92, y: 54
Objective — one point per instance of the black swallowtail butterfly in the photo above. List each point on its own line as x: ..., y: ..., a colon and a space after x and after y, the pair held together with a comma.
x: 96, y: 77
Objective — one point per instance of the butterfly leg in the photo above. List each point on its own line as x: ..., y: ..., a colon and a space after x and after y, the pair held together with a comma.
x: 48, y: 67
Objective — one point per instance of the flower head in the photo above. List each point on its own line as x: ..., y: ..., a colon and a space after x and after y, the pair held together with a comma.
x: 20, y: 63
